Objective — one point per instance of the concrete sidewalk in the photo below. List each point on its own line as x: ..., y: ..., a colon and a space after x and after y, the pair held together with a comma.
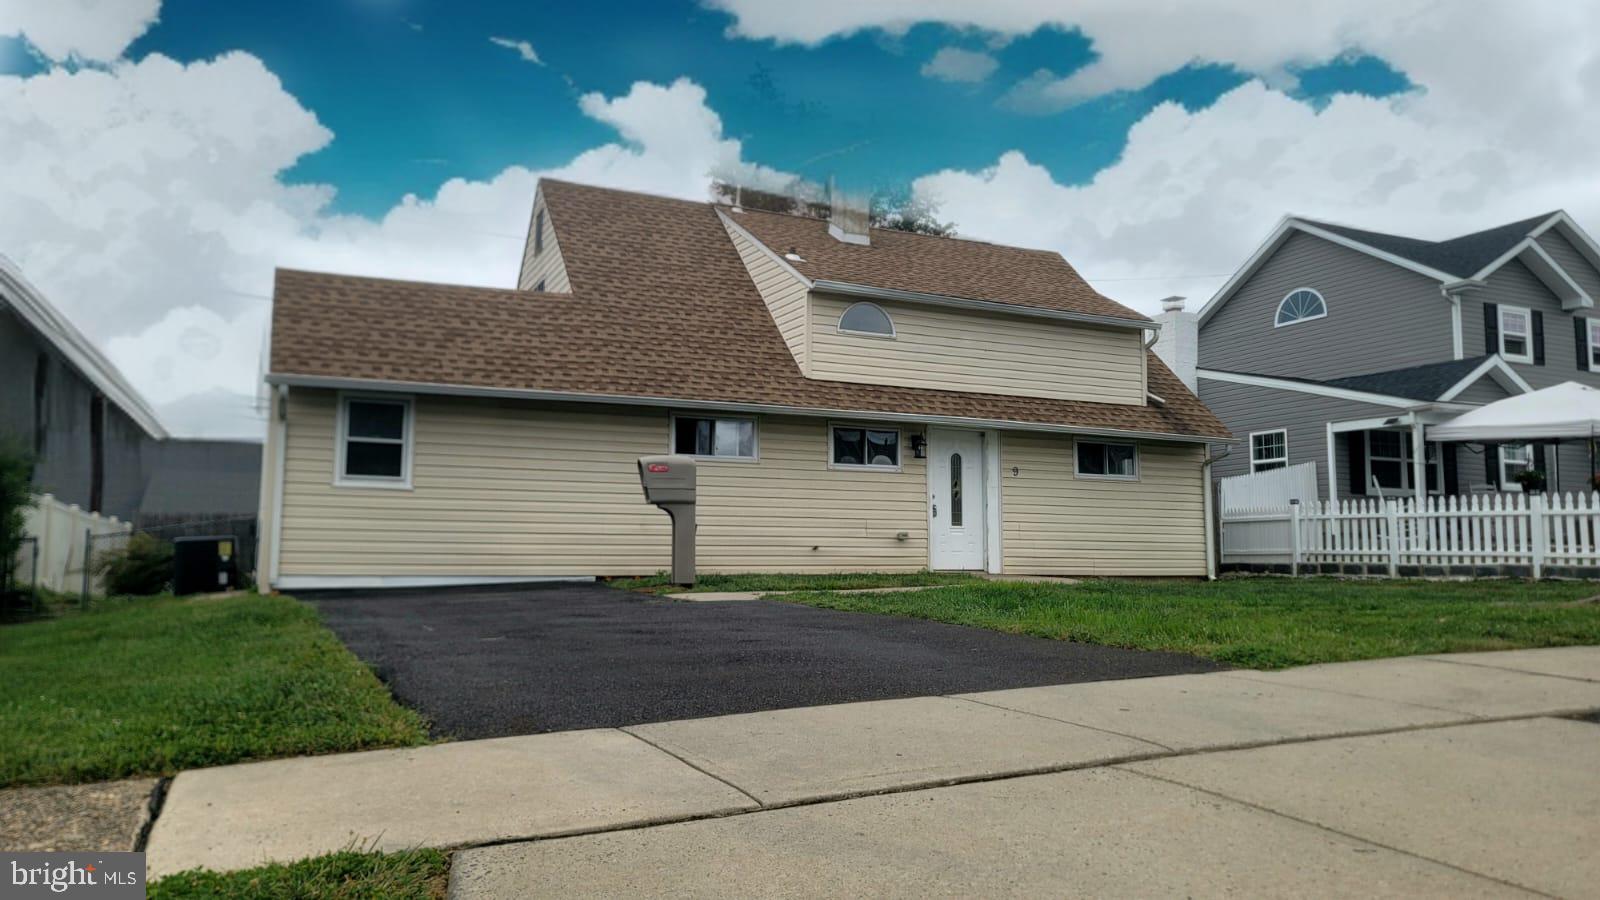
x: 726, y: 781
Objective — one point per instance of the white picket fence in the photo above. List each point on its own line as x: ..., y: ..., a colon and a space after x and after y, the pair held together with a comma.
x: 1529, y: 530
x: 62, y: 534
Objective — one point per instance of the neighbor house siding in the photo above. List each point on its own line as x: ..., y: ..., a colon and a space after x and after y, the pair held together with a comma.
x: 1057, y: 524
x: 1380, y: 317
x: 783, y: 292
x: 954, y: 350
x: 546, y: 265
x: 1516, y: 285
x: 1575, y: 264
x: 520, y: 489
x: 1246, y: 408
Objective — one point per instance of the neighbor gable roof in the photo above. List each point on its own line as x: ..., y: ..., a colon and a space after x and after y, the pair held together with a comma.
x: 1467, y: 258
x: 1413, y: 385
x: 930, y: 265
x: 31, y: 305
x: 662, y: 311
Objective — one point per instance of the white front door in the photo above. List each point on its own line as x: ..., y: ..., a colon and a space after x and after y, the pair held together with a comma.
x: 956, y: 515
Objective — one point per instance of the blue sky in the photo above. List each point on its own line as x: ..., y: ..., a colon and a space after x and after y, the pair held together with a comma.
x: 163, y: 157
x: 415, y: 92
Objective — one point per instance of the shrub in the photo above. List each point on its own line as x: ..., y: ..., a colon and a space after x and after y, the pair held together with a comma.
x: 1532, y: 480
x: 16, y: 482
x: 143, y: 567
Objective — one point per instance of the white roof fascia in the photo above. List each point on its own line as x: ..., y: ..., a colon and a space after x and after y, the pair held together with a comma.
x: 82, y: 355
x: 459, y: 390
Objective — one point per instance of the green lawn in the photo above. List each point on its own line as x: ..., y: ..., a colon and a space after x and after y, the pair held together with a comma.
x: 1262, y: 622
x: 152, y: 686
x: 419, y: 874
x: 661, y: 583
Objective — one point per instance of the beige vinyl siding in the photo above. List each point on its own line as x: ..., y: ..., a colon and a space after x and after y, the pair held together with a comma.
x: 1056, y: 524
x: 784, y: 293
x: 547, y: 265
x: 505, y: 488
x: 955, y: 350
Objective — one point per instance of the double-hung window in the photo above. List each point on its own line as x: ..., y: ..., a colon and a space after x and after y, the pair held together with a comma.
x: 1389, y: 462
x: 863, y: 447
x: 374, y: 442
x: 1592, y: 328
x: 1514, y: 459
x: 718, y: 437
x: 1269, y: 450
x: 1516, y: 339
x: 1100, y: 459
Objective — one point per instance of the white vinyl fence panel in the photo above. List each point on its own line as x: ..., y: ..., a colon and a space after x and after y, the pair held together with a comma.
x: 1495, y: 530
x: 1272, y: 489
x: 55, y: 558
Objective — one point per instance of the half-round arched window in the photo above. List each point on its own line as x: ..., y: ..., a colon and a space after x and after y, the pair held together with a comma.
x: 866, y: 318
x: 1302, y: 304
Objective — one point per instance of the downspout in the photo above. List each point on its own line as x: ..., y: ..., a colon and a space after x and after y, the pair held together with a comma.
x: 1210, y: 514
x: 1451, y: 291
x: 280, y: 429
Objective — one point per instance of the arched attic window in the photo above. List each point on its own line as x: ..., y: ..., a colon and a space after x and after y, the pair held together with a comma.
x: 866, y: 318
x: 1300, y: 305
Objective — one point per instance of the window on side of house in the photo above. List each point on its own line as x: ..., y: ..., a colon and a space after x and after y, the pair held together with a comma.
x: 863, y: 447
x: 1100, y: 459
x: 866, y: 318
x: 1516, y: 339
x: 1300, y: 305
x: 538, y: 232
x: 715, y: 437
x: 374, y: 442
x: 1592, y: 328
x: 1269, y: 450
x: 1389, y: 462
x: 1514, y: 458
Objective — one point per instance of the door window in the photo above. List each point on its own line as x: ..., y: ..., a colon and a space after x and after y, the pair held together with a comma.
x: 956, y: 503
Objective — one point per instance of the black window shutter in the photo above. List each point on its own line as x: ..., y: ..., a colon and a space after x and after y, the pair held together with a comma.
x: 1447, y: 454
x: 1356, y: 443
x: 1580, y: 340
x: 1491, y: 463
x: 1538, y: 457
x: 1538, y: 338
x: 1491, y: 328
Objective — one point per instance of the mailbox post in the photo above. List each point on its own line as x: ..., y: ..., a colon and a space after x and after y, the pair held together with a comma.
x: 668, y: 482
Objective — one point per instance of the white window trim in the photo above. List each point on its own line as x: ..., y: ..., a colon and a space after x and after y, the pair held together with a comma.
x: 408, y: 443
x: 1591, y: 323
x: 1507, y: 483
x: 894, y: 333
x: 755, y: 424
x: 1077, y: 449
x: 899, y: 443
x: 1407, y: 466
x: 1254, y: 462
x: 1279, y: 310
x: 1527, y: 337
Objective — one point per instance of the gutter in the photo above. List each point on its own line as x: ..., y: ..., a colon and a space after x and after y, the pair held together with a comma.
x: 1208, y: 507
x: 876, y: 293
x: 455, y: 390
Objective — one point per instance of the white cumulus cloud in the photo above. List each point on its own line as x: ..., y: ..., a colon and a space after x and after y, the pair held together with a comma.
x: 92, y: 30
x: 956, y: 64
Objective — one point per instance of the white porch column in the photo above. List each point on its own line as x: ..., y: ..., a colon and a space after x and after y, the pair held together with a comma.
x: 1419, y: 461
x: 1333, y: 477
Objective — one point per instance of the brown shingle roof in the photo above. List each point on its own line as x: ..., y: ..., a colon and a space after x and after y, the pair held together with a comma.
x: 661, y: 307
x: 926, y: 264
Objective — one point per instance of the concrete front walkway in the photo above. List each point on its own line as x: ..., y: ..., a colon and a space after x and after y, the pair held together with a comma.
x: 1421, y: 775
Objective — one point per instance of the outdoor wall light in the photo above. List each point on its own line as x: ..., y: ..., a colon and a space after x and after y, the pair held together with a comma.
x: 919, y: 446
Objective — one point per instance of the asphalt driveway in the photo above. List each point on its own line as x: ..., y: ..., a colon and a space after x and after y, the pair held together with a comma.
x: 494, y: 662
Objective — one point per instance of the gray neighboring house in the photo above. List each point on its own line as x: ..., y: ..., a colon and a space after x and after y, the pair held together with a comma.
x: 1339, y: 346
x: 95, y: 441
